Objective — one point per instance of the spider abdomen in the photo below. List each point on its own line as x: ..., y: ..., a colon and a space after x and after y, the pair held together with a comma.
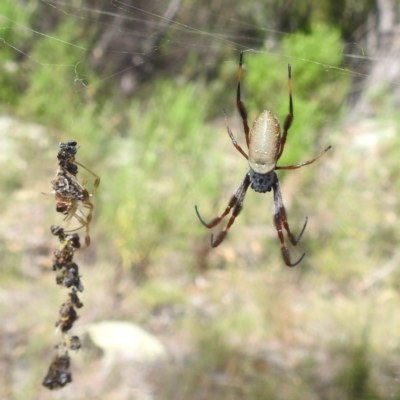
x: 262, y: 183
x: 265, y: 136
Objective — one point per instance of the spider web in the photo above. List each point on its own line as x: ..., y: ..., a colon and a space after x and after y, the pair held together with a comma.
x: 141, y: 38
x: 162, y: 34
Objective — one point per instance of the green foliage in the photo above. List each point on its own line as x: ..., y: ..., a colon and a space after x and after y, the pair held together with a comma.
x: 13, y: 36
x: 11, y: 260
x: 355, y: 376
x: 157, y: 294
x: 13, y: 181
x: 347, y: 15
x: 160, y: 154
x: 57, y: 69
x: 222, y: 371
x: 151, y: 172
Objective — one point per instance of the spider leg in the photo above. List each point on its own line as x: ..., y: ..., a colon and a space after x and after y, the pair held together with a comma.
x: 96, y: 181
x: 87, y: 238
x: 235, y: 143
x: 73, y: 207
x: 289, y: 118
x: 68, y: 231
x: 236, y: 201
x: 89, y: 215
x: 302, y: 164
x: 240, y: 104
x: 83, y: 219
x: 238, y: 207
x: 88, y: 220
x: 280, y: 218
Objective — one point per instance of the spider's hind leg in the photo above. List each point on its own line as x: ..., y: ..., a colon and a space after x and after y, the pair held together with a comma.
x: 280, y: 218
x: 96, y: 178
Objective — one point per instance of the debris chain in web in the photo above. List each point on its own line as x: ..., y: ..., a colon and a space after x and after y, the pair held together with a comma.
x: 74, y: 201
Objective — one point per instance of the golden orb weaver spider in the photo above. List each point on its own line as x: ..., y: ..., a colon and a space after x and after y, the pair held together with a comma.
x: 265, y: 145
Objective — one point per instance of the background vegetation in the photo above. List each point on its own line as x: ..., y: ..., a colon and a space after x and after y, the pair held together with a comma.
x: 143, y: 97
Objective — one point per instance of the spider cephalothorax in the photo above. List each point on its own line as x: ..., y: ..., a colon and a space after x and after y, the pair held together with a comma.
x: 262, y: 183
x: 265, y: 145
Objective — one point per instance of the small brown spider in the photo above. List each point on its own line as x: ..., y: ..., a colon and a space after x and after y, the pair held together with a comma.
x: 72, y: 199
x: 266, y: 145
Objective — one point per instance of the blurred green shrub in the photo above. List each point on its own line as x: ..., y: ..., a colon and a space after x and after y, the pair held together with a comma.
x: 157, y: 170
x: 57, y: 70
x: 13, y: 37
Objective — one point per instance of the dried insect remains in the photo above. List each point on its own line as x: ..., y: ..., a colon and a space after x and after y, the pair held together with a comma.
x: 74, y: 201
x: 72, y: 198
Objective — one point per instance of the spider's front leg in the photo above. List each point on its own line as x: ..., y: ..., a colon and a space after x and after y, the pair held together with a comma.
x: 235, y: 143
x: 84, y: 223
x: 280, y: 218
x: 236, y: 201
x: 240, y: 105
